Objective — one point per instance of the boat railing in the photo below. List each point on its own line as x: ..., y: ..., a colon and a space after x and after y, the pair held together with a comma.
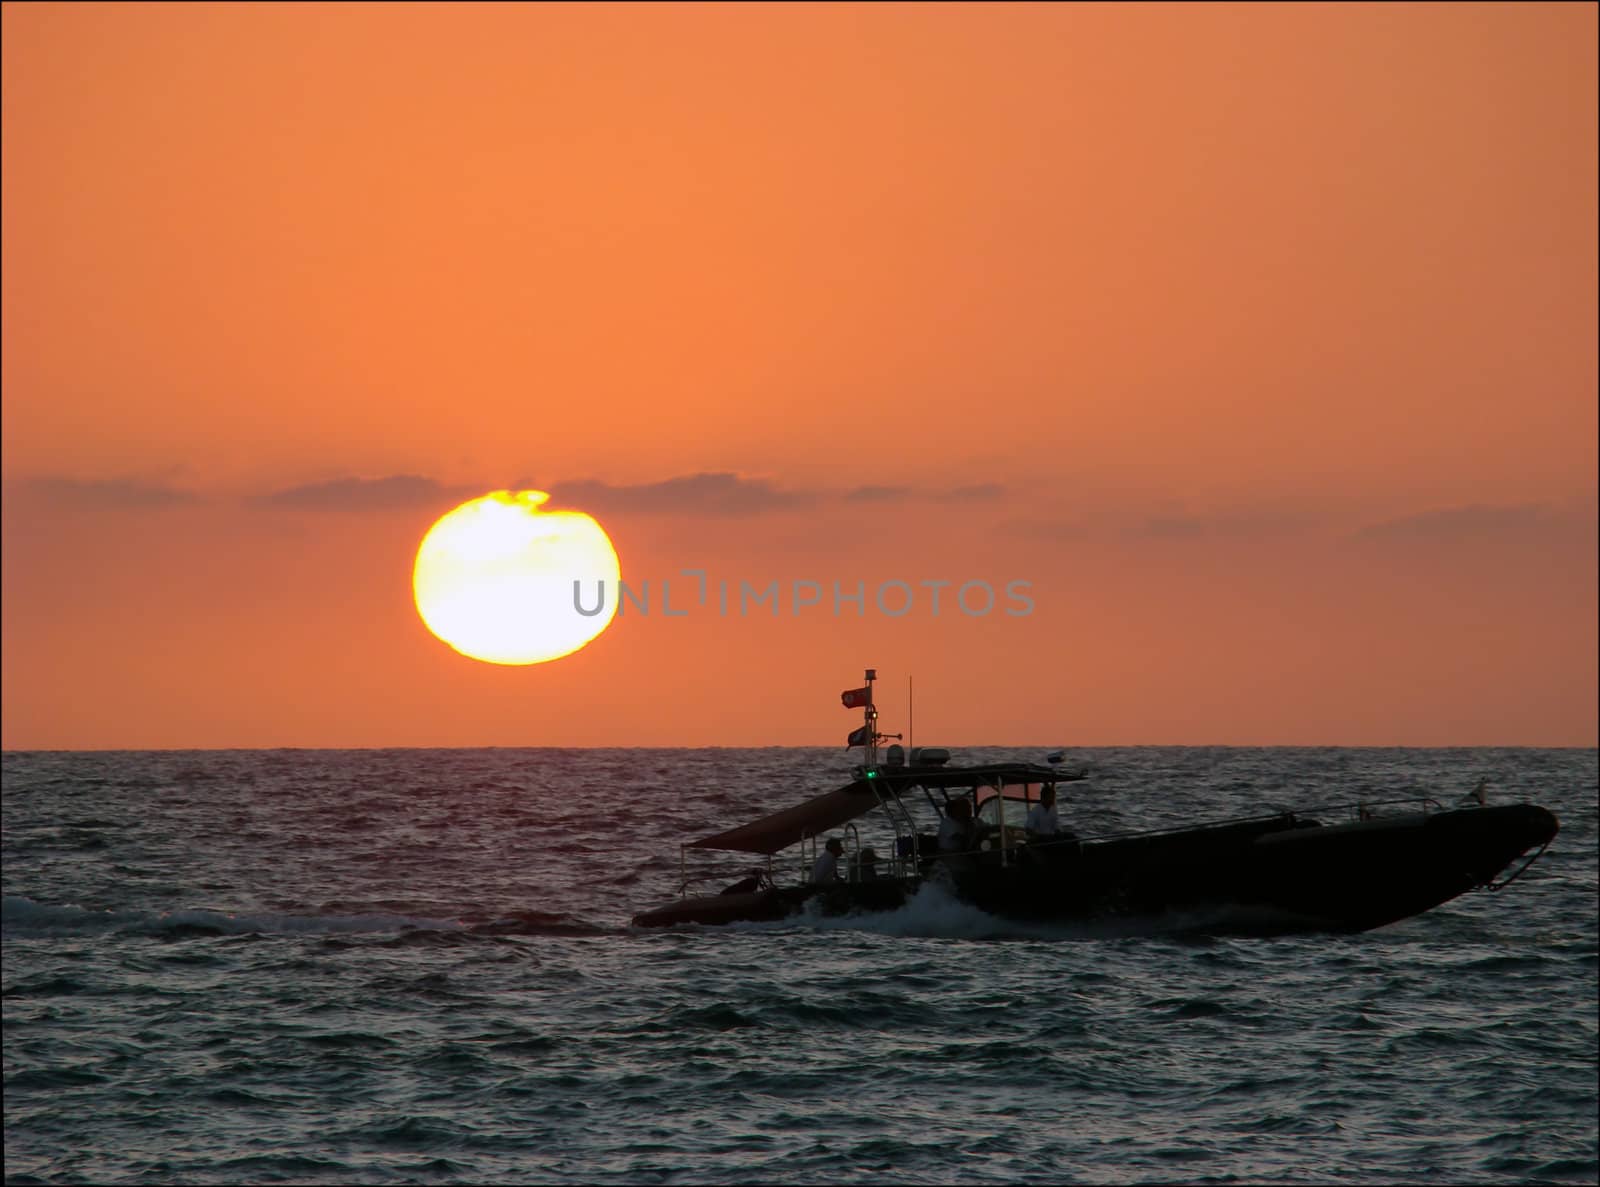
x: 900, y: 820
x: 1354, y: 810
x: 1366, y: 809
x: 852, y: 847
x: 725, y: 869
x: 715, y: 876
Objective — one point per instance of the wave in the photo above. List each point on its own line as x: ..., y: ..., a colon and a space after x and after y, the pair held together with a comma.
x: 537, y: 923
x: 22, y: 917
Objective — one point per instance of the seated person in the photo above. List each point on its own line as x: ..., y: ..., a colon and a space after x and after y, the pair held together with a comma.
x: 747, y: 885
x: 866, y: 865
x: 826, y: 870
x: 958, y: 832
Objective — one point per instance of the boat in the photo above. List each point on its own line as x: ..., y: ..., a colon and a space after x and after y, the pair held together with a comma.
x: 1339, y: 868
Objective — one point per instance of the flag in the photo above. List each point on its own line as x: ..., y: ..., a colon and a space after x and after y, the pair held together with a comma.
x: 858, y: 737
x: 854, y: 698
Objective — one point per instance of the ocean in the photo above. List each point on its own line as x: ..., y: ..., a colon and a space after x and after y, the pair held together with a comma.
x: 416, y: 966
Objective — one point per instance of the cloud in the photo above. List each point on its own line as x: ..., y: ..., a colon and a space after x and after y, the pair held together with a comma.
x: 1046, y: 530
x: 877, y: 494
x: 1172, y: 527
x: 108, y: 494
x: 365, y: 494
x: 977, y: 492
x: 690, y: 494
x: 1251, y: 523
x: 1258, y: 524
x: 1456, y: 523
x: 972, y: 493
x: 718, y: 493
x: 724, y: 493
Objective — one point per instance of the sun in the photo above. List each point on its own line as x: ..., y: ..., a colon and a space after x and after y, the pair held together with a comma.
x: 494, y: 579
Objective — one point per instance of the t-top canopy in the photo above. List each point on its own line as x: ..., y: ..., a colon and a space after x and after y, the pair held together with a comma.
x: 991, y: 774
x: 792, y: 825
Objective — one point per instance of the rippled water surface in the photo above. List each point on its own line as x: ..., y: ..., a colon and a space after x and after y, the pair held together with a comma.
x: 416, y: 966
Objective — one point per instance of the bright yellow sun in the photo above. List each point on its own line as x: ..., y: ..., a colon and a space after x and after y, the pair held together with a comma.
x: 494, y: 579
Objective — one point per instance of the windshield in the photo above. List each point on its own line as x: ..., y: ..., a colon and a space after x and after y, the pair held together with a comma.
x: 1016, y: 811
x: 1028, y: 793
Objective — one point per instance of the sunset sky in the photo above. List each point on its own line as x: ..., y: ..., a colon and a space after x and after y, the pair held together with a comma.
x: 1259, y: 340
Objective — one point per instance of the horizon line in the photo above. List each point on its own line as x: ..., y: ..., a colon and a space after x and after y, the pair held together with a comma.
x: 11, y: 750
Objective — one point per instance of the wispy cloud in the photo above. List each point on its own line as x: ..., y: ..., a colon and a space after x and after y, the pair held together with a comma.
x: 1455, y: 523
x: 1172, y: 527
x: 877, y: 494
x: 723, y: 493
x: 107, y: 494
x: 690, y: 494
x: 1052, y: 531
x: 1233, y: 523
x: 365, y: 494
x: 976, y: 492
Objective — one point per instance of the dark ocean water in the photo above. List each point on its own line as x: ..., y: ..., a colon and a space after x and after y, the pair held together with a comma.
x: 416, y: 966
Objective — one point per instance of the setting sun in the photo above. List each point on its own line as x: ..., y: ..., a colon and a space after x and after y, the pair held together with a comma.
x: 494, y: 578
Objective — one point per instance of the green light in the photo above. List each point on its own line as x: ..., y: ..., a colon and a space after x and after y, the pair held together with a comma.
x: 872, y: 774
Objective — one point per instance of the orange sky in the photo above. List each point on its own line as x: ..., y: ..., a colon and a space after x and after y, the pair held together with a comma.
x: 1261, y: 340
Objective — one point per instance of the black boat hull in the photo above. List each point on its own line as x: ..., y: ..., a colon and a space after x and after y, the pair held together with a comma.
x: 1274, y: 876
x: 1267, y: 876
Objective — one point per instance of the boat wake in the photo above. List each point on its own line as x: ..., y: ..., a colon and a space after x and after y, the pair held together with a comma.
x: 935, y: 913
x: 23, y: 918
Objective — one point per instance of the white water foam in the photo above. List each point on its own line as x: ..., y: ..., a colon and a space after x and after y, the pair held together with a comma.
x: 934, y: 912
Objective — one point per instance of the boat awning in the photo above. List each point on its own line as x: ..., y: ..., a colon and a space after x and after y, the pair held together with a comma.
x: 792, y: 825
x: 1022, y: 792
x: 833, y: 808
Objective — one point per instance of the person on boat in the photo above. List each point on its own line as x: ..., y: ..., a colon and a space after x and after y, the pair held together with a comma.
x: 826, y: 870
x: 867, y: 865
x: 748, y: 884
x: 1043, y: 824
x: 957, y: 831
x: 1044, y: 830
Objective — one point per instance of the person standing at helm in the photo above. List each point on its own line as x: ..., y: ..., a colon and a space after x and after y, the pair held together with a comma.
x: 826, y: 870
x: 1042, y: 821
x: 956, y: 831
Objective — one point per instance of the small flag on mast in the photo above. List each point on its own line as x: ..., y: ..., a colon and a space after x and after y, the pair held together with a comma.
x: 858, y: 737
x: 855, y: 698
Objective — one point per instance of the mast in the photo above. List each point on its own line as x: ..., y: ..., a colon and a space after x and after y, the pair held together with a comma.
x: 871, y: 721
